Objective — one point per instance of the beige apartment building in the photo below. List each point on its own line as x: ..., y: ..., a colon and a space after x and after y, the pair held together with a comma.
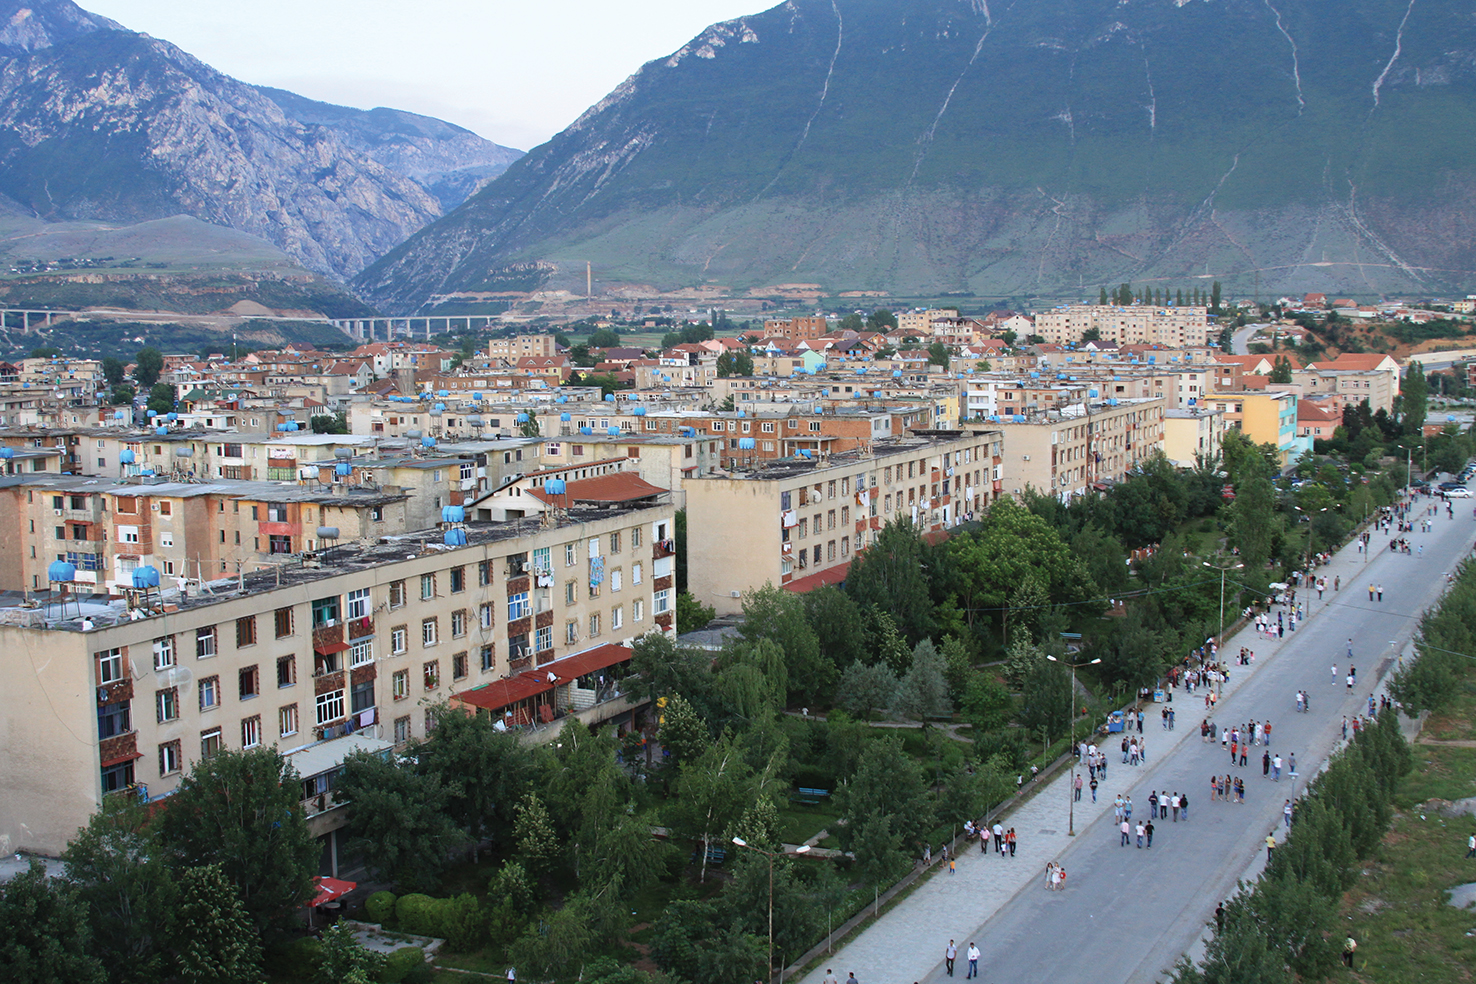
x: 1064, y: 452
x: 1174, y: 327
x: 819, y: 513
x: 353, y: 646
x: 1192, y: 434
x: 522, y: 347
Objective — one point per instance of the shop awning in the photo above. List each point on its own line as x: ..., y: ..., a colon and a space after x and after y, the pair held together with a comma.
x: 332, y: 888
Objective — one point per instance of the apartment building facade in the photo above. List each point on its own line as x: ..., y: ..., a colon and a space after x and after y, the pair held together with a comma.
x: 363, y: 643
x: 1173, y: 327
x: 1067, y: 451
x: 1191, y: 435
x: 798, y: 524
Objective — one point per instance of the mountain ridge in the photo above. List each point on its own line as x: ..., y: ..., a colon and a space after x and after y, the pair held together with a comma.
x: 929, y: 146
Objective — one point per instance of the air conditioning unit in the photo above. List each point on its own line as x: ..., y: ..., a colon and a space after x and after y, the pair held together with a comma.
x: 735, y: 594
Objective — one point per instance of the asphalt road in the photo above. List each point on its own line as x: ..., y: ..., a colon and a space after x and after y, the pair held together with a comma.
x: 1128, y: 914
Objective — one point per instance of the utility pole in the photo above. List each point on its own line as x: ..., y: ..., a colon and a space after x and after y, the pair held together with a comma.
x: 588, y: 281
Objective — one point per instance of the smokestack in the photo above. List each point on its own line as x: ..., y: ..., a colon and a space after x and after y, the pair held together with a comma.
x: 588, y: 282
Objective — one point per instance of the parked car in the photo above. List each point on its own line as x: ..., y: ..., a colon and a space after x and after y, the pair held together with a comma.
x: 1459, y: 492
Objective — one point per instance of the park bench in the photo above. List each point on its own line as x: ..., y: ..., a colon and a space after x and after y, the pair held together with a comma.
x: 810, y: 795
x: 715, y: 855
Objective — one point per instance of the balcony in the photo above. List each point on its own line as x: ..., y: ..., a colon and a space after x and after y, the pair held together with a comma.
x: 663, y: 548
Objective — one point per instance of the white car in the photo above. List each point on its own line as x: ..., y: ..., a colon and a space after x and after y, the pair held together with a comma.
x: 1458, y: 493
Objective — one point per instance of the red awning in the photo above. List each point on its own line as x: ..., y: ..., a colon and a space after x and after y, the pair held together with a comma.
x: 332, y: 888
x: 120, y: 759
x: 329, y: 648
x: 589, y: 661
x: 832, y: 575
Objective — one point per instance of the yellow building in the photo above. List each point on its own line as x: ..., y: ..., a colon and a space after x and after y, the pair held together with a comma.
x: 1264, y: 417
x: 1192, y: 434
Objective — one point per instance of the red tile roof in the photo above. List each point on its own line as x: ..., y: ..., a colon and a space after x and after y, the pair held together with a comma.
x: 615, y: 487
x: 831, y: 575
x: 504, y: 693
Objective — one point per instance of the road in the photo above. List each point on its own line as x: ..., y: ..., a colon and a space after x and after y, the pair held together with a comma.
x: 1128, y: 913
x: 1240, y: 345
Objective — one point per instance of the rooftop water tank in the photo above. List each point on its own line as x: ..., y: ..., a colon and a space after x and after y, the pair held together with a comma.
x: 146, y: 576
x: 125, y: 457
x: 60, y: 570
x: 555, y: 486
x: 327, y: 532
x: 455, y: 537
x: 453, y: 514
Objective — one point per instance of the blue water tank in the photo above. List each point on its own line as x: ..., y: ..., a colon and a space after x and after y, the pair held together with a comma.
x: 586, y: 430
x: 477, y: 396
x: 609, y: 397
x: 60, y: 570
x: 522, y: 418
x: 555, y: 486
x: 125, y: 457
x: 146, y: 576
x: 171, y: 417
x: 565, y: 417
x: 118, y: 415
x: 562, y: 399
x: 896, y: 373
x: 455, y: 537
x: 427, y: 441
x: 443, y: 393
x: 161, y: 431
x: 640, y: 411
x: 746, y: 444
x: 613, y: 431
x: 343, y: 469
x: 453, y: 514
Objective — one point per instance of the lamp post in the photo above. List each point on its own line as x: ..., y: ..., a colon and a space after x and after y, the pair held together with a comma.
x: 771, y: 855
x: 1071, y: 732
x: 1220, y: 638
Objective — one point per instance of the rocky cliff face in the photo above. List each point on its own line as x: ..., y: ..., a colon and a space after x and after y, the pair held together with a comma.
x: 1035, y: 148
x: 101, y: 123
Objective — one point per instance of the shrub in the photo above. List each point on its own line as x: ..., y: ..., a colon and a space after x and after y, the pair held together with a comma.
x: 380, y: 907
x: 417, y: 913
x: 462, y: 922
x: 298, y: 960
x: 398, y: 965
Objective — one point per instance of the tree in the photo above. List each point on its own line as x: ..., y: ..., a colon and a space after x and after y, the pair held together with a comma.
x: 214, y: 936
x: 691, y: 614
x: 147, y: 365
x: 397, y: 819
x: 734, y: 363
x: 162, y: 397
x: 604, y: 338
x: 890, y: 577
x: 45, y: 352
x: 46, y: 935
x: 987, y: 705
x: 1046, y: 700
x: 481, y: 769
x: 1009, y: 337
x: 1416, y: 391
x: 1281, y: 371
x: 128, y: 889
x: 683, y: 733
x: 712, y: 792
x: 839, y: 625
x: 113, y: 370
x: 938, y: 354
x: 863, y: 690
x: 329, y: 423
x: 243, y: 811
x: 1214, y: 303
x: 772, y: 613
x: 345, y: 961
x: 881, y: 320
x: 852, y: 322
x: 923, y: 692
x: 668, y: 669
x: 1102, y: 295
x: 121, y: 394
x: 533, y: 833
x: 888, y: 783
x: 1251, y: 523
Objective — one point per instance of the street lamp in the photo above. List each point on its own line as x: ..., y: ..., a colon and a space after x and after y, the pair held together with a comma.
x: 1071, y: 731
x: 771, y: 855
x: 1220, y: 644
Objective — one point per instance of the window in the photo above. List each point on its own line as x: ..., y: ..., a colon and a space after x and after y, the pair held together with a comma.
x: 427, y: 587
x: 399, y: 641
x: 571, y: 632
x: 209, y: 693
x: 458, y: 580
x: 615, y: 542
x: 126, y: 534
x: 484, y: 573
x: 170, y: 760
x: 594, y: 625
x: 488, y: 659
x: 617, y: 618
x: 400, y: 684
x: 431, y: 674
x: 277, y: 514
x: 635, y: 538
x: 569, y: 593
x: 361, y: 653
x: 635, y: 573
x: 163, y: 652
x: 250, y: 682
x: 429, y: 631
x: 616, y: 576
x: 661, y: 601
x: 166, y: 704
x: 458, y: 666
x: 287, y: 720
x: 287, y: 671
x: 402, y: 729
x: 279, y: 543
x: 109, y: 666
x: 251, y: 731
x: 325, y: 612
x: 246, y: 631
x: 458, y: 623
x: 166, y: 508
x: 517, y: 606
x: 329, y: 707
x: 544, y: 639
x: 568, y: 555
x: 165, y: 539
x: 205, y: 642
x: 117, y: 777
x: 114, y: 719
x: 637, y: 610
x: 358, y: 603
x: 361, y: 697
x: 397, y: 594
x: 210, y: 743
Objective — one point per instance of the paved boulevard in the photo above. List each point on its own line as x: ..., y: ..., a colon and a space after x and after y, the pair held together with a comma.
x: 1128, y: 914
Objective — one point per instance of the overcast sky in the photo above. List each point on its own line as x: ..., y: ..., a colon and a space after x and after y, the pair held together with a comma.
x: 515, y: 71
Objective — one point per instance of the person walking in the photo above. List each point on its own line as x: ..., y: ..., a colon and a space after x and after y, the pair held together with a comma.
x: 1471, y: 846
x: 950, y: 953
x: 1220, y: 918
x: 998, y: 838
x: 1010, y: 839
x: 1141, y: 833
x: 1276, y: 768
x: 1148, y: 828
x: 1286, y: 813
x: 1348, y: 947
x: 1184, y: 808
x: 1270, y: 845
x: 1335, y: 674
x: 1291, y: 764
x: 829, y: 977
x: 1093, y: 784
x: 973, y: 961
x: 1381, y: 592
x: 1370, y: 591
x: 1174, y: 805
x: 1123, y: 828
x: 952, y: 865
x: 1077, y: 785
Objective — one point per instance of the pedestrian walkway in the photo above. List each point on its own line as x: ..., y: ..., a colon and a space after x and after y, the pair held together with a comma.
x: 906, y: 944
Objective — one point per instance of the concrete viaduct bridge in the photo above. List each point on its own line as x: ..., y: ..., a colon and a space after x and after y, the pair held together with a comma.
x: 388, y: 329
x: 24, y: 318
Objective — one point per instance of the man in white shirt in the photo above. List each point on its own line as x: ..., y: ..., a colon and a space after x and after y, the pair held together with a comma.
x: 950, y: 953
x: 973, y: 961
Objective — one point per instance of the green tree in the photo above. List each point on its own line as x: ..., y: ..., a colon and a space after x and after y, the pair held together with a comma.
x: 215, y: 939
x: 1046, y: 701
x: 397, y: 819
x: 329, y: 423
x: 712, y: 792
x: 890, y: 577
x: 533, y: 833
x: 121, y: 395
x: 604, y: 338
x: 773, y: 613
x: 1102, y: 295
x: 938, y: 354
x: 863, y: 690
x: 46, y: 936
x: 852, y: 322
x: 481, y: 769
x: 45, y: 352
x: 888, y: 783
x: 692, y: 614
x: 1251, y: 515
x: 127, y: 888
x: 839, y: 625
x: 243, y: 811
x: 1416, y: 392
x: 987, y: 705
x: 162, y: 397
x: 665, y: 668
x: 147, y: 365
x: 734, y: 363
x: 1281, y: 370
x: 1214, y: 304
x: 923, y: 691
x: 113, y: 370
x: 345, y: 961
x: 881, y: 320
x: 683, y: 732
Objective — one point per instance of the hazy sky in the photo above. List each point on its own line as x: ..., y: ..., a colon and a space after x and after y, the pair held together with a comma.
x: 515, y: 71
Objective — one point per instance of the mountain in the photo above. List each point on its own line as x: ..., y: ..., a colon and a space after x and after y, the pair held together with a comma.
x: 100, y: 123
x: 1034, y: 148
